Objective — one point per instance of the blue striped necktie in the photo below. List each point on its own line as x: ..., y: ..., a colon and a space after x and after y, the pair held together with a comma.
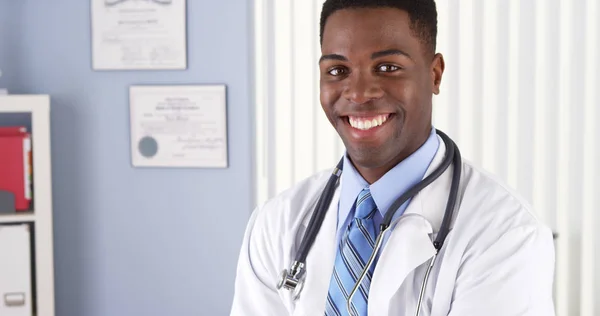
x: 354, y: 251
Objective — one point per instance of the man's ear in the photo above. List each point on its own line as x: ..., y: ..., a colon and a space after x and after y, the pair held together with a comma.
x: 437, y: 70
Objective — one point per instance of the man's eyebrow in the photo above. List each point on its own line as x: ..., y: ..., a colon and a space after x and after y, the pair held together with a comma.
x: 375, y: 55
x: 389, y: 52
x: 332, y: 57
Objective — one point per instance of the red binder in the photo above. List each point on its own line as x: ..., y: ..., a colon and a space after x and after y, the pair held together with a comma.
x: 15, y: 165
x: 12, y: 130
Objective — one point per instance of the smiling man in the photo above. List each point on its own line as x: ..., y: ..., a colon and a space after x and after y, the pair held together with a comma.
x: 379, y: 70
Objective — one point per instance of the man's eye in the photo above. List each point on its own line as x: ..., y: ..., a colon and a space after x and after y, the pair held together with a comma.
x: 337, y: 71
x: 387, y: 68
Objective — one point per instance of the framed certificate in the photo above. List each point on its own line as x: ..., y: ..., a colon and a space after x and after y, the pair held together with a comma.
x: 179, y: 126
x: 139, y: 34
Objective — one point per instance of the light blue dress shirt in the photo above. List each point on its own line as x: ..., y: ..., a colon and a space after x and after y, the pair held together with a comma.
x: 388, y: 188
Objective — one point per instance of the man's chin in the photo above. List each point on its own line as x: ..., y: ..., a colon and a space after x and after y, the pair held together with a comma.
x: 367, y: 158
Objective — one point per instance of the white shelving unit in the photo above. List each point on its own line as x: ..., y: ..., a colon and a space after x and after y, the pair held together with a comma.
x: 38, y: 108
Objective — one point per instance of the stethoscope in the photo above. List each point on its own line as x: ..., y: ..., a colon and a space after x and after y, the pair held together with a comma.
x: 293, y: 279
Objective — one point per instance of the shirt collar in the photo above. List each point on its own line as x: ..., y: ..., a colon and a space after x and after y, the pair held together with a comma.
x: 389, y: 187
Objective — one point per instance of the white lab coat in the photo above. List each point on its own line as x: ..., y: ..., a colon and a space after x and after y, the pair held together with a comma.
x: 498, y: 259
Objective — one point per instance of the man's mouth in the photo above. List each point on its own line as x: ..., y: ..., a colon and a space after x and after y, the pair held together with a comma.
x: 367, y: 122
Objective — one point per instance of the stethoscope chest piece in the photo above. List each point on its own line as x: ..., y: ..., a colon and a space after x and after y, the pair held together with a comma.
x: 293, y: 280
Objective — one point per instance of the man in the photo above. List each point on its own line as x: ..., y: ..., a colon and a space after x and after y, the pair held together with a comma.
x: 378, y: 72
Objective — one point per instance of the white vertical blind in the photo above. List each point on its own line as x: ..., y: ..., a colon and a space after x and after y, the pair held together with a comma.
x: 590, y: 238
x: 518, y: 96
x: 565, y: 264
x: 491, y: 92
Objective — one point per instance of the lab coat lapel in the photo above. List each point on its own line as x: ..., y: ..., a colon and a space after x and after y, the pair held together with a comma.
x: 408, y: 247
x: 410, y: 240
x: 319, y: 267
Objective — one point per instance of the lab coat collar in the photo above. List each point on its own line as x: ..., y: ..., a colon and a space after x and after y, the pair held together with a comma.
x: 410, y: 241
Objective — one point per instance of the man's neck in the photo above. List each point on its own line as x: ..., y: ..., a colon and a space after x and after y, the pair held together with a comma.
x: 371, y: 175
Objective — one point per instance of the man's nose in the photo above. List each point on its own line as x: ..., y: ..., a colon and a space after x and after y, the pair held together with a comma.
x: 362, y: 88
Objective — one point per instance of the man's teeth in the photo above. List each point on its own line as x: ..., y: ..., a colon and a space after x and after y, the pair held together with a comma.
x: 365, y: 123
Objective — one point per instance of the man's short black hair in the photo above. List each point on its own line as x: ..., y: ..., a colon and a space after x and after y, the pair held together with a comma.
x: 422, y: 13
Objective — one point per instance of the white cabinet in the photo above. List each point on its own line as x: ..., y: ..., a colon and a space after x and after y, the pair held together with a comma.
x: 15, y: 270
x: 27, y: 251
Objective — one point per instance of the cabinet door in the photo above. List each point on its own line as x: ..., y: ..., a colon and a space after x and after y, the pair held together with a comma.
x: 15, y: 271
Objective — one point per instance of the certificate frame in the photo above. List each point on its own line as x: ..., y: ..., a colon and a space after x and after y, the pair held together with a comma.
x: 179, y: 126
x: 138, y: 35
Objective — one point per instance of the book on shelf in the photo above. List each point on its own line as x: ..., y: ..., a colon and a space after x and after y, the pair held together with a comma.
x: 16, y: 165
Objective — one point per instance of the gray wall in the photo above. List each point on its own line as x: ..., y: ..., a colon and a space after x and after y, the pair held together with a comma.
x: 135, y: 241
x: 7, y: 42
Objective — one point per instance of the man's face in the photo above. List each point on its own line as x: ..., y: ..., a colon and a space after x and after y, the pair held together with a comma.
x: 377, y: 81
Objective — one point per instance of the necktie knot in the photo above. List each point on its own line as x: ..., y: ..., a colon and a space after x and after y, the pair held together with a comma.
x: 365, y: 205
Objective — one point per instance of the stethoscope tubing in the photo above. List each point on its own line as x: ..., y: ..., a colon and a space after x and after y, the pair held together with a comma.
x: 319, y: 215
x: 452, y: 156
